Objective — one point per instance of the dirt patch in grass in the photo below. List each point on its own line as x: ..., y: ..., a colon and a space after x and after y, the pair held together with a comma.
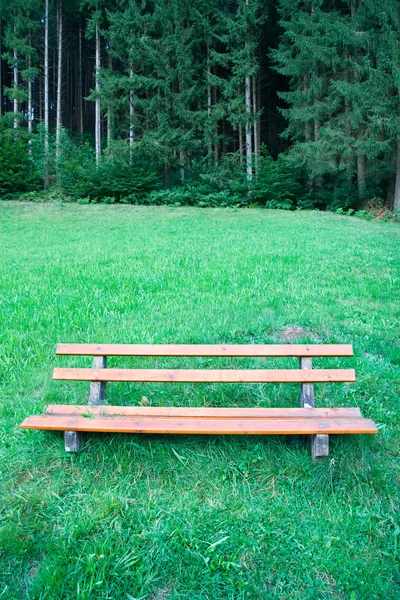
x: 292, y: 333
x: 161, y: 593
x: 33, y: 570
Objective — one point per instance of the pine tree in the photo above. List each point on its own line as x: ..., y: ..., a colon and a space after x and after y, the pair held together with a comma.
x: 94, y: 24
x: 242, y: 43
x: 330, y: 57
x: 20, y: 53
x: 385, y: 19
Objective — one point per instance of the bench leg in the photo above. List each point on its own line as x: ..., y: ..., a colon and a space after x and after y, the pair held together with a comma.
x: 319, y: 447
x: 319, y: 444
x: 73, y: 441
x: 97, y: 392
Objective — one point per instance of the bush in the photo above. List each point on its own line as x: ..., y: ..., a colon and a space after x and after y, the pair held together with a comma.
x: 190, y: 195
x: 223, y: 185
x: 226, y: 185
x: 113, y: 180
x: 277, y: 185
x: 18, y: 172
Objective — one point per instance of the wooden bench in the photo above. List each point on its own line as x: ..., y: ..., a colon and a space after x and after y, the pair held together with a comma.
x: 318, y: 423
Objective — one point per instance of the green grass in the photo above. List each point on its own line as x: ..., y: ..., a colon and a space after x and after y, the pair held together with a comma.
x: 158, y: 517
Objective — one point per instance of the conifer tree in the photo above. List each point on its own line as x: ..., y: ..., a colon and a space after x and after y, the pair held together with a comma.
x: 22, y: 22
x: 385, y: 20
x: 242, y: 26
x: 330, y: 54
x: 94, y: 24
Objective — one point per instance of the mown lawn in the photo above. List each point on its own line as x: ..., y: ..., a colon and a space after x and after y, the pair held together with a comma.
x: 137, y: 517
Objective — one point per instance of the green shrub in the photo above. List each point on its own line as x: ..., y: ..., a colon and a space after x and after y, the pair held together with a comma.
x: 192, y: 196
x: 226, y: 185
x: 223, y: 185
x: 364, y: 214
x: 18, y: 172
x: 276, y: 185
x: 113, y: 180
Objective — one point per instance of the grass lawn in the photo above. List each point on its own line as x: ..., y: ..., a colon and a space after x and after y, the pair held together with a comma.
x: 146, y: 517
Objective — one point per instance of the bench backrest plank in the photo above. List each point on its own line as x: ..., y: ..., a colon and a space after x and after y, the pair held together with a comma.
x: 207, y: 375
x: 250, y: 350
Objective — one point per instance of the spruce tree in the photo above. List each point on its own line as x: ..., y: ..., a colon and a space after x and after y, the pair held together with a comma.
x: 22, y: 24
x: 331, y: 54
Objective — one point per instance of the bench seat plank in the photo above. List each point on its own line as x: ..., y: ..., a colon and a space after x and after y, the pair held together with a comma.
x: 206, y: 375
x: 201, y: 412
x: 202, y: 426
x: 205, y: 350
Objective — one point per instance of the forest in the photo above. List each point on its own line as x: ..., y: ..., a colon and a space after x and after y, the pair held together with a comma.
x: 273, y: 103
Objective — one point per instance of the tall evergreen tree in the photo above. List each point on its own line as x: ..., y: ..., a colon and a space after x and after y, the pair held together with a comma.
x: 333, y: 56
x: 21, y: 27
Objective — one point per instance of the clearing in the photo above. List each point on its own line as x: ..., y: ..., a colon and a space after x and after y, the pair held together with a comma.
x: 196, y: 518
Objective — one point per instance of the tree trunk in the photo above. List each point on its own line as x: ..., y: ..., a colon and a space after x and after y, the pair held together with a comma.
x: 15, y: 102
x: 224, y: 140
x: 1, y: 69
x: 46, y: 96
x: 216, y: 147
x: 109, y: 108
x: 241, y: 143
x: 209, y: 101
x: 30, y: 116
x: 53, y: 93
x: 59, y: 79
x: 80, y: 94
x: 396, y: 201
x: 40, y: 112
x: 249, y: 150
x: 131, y: 120
x: 97, y: 104
x: 318, y: 180
x: 392, y: 179
x: 317, y: 137
x: 68, y: 118
x: 307, y: 131
x: 361, y: 168
x: 256, y: 141
x: 259, y: 117
x: 166, y: 168
x: 147, y: 111
x: 182, y: 164
x: 307, y: 126
x: 361, y: 175
x: 350, y: 160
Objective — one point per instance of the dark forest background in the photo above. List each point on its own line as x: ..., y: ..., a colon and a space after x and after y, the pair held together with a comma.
x: 278, y: 103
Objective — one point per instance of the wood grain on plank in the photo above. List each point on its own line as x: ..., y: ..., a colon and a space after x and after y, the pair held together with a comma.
x: 202, y: 412
x: 202, y: 426
x: 251, y: 350
x: 207, y: 375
